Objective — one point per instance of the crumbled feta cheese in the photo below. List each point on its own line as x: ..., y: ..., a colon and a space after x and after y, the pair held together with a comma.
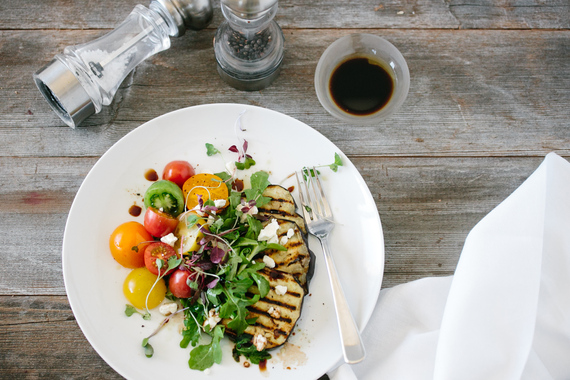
x: 210, y: 220
x: 269, y: 262
x: 207, y: 371
x: 285, y: 238
x: 259, y: 341
x: 168, y: 308
x: 197, y: 210
x: 213, y: 318
x: 231, y: 167
x: 275, y: 313
x: 169, y: 239
x: 280, y: 290
x: 269, y: 232
x: 219, y: 203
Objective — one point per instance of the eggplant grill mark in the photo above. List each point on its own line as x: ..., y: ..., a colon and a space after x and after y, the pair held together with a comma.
x: 275, y: 331
x: 257, y: 311
x: 282, y: 304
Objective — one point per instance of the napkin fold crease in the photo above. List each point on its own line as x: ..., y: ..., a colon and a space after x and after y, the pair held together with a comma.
x: 504, y: 314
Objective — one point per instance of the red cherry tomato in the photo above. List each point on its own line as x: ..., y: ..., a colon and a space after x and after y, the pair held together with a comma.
x: 178, y: 283
x: 178, y: 172
x: 159, y: 223
x: 155, y: 251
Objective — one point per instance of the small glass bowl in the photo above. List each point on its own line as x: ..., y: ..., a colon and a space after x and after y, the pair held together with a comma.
x: 358, y: 46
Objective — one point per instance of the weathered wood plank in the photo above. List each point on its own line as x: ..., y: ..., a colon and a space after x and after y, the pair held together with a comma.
x: 40, y: 339
x: 423, y: 14
x: 427, y: 207
x: 471, y: 94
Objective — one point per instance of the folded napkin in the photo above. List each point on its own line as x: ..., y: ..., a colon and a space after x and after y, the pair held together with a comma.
x: 504, y: 314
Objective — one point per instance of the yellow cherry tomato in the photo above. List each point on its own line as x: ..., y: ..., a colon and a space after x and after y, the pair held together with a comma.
x: 209, y: 186
x: 138, y: 285
x: 127, y: 244
x: 188, y: 236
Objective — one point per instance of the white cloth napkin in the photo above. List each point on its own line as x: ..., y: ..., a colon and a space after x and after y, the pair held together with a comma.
x: 505, y: 314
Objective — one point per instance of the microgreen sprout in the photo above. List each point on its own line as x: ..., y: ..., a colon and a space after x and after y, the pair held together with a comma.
x: 334, y: 167
x: 148, y: 350
x: 130, y: 310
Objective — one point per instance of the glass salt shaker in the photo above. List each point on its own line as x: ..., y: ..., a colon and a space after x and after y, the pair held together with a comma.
x: 79, y: 82
x: 249, y: 44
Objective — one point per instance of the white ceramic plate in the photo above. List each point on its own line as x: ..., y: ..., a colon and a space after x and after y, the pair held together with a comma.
x: 280, y: 145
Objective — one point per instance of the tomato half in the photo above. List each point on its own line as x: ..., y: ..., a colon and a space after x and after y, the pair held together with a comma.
x: 159, y: 223
x: 158, y: 251
x: 209, y: 186
x: 128, y: 243
x: 138, y: 285
x: 178, y: 283
x: 178, y: 172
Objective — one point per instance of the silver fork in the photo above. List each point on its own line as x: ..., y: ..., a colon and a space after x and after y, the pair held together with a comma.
x: 319, y: 220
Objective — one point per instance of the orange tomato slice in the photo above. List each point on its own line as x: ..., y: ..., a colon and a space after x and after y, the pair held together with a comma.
x: 209, y: 186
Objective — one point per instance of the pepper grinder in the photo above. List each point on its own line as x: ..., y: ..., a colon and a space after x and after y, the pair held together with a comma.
x: 79, y: 82
x: 249, y: 44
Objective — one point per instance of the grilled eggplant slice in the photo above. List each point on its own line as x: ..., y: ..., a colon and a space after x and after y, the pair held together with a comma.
x: 281, y: 206
x: 296, y: 259
x: 277, y: 313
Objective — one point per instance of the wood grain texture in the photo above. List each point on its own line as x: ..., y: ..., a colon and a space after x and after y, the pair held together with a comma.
x: 472, y: 92
x: 41, y: 340
x: 422, y: 14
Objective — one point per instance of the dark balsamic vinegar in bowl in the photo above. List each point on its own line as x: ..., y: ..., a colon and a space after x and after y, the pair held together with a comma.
x: 362, y: 79
x: 361, y: 86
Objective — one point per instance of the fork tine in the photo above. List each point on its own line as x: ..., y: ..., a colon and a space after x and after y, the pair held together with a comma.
x: 302, y: 191
x: 326, y: 208
x: 315, y: 200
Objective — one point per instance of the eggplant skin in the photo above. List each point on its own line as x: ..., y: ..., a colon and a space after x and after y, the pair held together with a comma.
x: 282, y: 206
x: 276, y: 314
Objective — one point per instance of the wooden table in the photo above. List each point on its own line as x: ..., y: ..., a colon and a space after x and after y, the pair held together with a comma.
x: 489, y: 97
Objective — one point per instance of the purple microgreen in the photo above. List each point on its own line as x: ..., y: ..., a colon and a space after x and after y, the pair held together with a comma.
x: 233, y: 149
x: 217, y: 255
x: 213, y: 283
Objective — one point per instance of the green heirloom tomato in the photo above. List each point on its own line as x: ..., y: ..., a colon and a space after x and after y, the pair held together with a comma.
x: 165, y: 196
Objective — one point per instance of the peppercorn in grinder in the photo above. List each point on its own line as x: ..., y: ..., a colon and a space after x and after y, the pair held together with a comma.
x: 249, y: 44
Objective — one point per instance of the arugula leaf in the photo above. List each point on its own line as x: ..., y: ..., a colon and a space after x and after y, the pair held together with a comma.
x: 204, y: 356
x: 262, y: 284
x: 246, y: 348
x: 259, y: 180
x: 211, y: 150
x: 254, y: 228
x: 193, y: 320
x: 237, y: 303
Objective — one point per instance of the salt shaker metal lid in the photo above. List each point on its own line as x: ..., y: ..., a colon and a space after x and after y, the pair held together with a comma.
x: 188, y: 14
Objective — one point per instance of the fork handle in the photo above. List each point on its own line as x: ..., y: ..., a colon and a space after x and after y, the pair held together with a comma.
x: 352, y: 347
